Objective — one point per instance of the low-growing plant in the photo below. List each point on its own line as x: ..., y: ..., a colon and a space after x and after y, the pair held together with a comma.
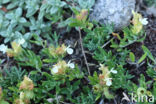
x: 51, y: 74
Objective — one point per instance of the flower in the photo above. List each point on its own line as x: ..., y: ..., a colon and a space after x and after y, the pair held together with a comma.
x: 71, y: 65
x: 60, y: 50
x: 55, y: 69
x: 3, y: 48
x: 82, y: 16
x: 0, y: 93
x: 59, y: 68
x: 69, y: 50
x: 138, y: 22
x: 113, y: 71
x: 143, y: 21
x: 105, y: 77
x: 0, y: 90
x: 108, y: 81
x: 22, y: 95
x: 15, y: 51
x: 26, y: 84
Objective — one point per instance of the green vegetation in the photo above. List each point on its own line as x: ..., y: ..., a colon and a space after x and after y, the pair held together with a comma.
x: 38, y: 67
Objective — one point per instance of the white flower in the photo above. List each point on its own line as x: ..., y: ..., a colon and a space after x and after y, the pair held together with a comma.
x: 3, y: 48
x: 144, y: 21
x: 55, y: 69
x: 108, y: 81
x: 71, y: 65
x: 21, y: 41
x: 50, y: 100
x: 21, y: 95
x: 69, y: 50
x: 113, y: 71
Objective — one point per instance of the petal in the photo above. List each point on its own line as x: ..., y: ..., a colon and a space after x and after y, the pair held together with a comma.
x: 55, y: 69
x: 114, y: 71
x: 144, y: 21
x: 69, y: 50
x: 108, y: 82
x: 71, y: 65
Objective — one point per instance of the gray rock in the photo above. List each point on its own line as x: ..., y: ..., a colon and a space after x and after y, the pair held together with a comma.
x: 118, y: 12
x: 151, y: 10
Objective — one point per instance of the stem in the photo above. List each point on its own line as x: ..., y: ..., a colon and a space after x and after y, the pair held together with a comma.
x: 83, y: 52
x: 107, y: 43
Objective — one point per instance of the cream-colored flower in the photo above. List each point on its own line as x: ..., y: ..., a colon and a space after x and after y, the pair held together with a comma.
x: 143, y: 21
x: 113, y: 71
x: 59, y: 68
x: 71, y: 65
x: 55, y: 69
x: 108, y: 81
x: 22, y: 95
x: 26, y: 84
x: 69, y: 50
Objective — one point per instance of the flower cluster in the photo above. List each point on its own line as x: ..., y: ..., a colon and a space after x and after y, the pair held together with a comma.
x: 60, y: 50
x: 105, y: 77
x: 16, y: 49
x: 26, y: 94
x: 61, y: 67
x: 0, y: 93
x: 83, y: 15
x: 138, y: 22
x: 104, y: 81
x: 26, y: 84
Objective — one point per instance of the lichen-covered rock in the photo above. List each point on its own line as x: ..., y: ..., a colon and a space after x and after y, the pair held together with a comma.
x: 117, y: 12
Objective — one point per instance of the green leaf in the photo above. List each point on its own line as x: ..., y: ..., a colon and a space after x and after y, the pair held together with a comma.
x: 3, y: 102
x: 41, y: 14
x: 149, y: 54
x: 95, y: 79
x: 53, y: 10
x: 76, y: 12
x: 97, y: 97
x: 22, y: 20
x: 5, y: 1
x: 86, y: 4
x: 12, y: 5
x: 18, y: 12
x: 107, y: 94
x: 154, y: 88
x: 132, y: 56
x: 30, y: 12
x: 142, y: 58
x: 9, y: 15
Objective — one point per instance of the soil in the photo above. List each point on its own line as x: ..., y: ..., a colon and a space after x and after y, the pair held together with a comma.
x: 150, y: 42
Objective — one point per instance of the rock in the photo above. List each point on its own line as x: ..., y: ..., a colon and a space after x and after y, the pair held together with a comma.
x: 118, y: 12
x: 151, y: 10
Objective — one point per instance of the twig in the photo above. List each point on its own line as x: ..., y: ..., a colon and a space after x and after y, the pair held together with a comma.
x: 107, y: 43
x: 86, y: 78
x: 83, y: 52
x: 91, y: 64
x: 71, y: 4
